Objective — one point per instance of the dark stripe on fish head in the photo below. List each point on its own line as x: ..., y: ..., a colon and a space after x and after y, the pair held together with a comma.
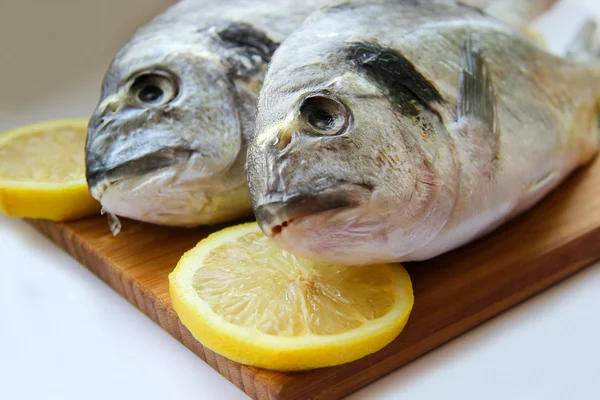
x: 243, y: 35
x: 406, y: 86
x: 246, y: 49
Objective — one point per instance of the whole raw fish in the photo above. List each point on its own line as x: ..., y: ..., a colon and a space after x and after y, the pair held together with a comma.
x: 399, y: 131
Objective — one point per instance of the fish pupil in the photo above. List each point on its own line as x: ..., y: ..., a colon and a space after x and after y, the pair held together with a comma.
x: 321, y: 119
x: 151, y: 94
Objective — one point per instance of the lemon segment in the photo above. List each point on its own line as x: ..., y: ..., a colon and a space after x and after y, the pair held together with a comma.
x: 42, y: 171
x: 243, y: 297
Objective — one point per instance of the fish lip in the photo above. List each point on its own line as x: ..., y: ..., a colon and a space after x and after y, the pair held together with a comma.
x: 100, y: 179
x: 283, y: 211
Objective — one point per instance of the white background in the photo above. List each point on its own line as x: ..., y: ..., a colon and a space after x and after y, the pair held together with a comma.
x: 65, y: 335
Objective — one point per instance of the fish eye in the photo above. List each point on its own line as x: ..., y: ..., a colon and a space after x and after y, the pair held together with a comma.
x: 325, y: 115
x: 153, y: 89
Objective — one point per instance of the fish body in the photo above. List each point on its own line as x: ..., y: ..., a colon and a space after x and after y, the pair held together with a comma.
x: 167, y: 142
x: 402, y: 130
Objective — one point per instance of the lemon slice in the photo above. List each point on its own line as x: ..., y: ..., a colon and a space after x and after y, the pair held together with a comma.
x: 42, y: 171
x: 243, y: 297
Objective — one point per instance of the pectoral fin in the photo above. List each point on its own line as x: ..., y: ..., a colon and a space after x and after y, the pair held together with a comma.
x: 477, y: 100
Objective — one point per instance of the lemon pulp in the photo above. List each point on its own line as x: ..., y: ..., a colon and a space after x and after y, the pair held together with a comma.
x: 42, y: 171
x: 280, y: 294
x: 53, y: 154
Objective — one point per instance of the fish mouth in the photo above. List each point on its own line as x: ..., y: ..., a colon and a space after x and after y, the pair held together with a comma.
x: 100, y: 179
x: 275, y: 216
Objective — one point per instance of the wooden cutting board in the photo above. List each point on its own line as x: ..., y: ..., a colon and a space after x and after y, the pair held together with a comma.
x: 453, y: 293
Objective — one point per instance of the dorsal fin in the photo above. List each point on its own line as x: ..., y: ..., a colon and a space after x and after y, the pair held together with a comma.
x: 585, y: 46
x: 517, y: 13
x: 477, y: 101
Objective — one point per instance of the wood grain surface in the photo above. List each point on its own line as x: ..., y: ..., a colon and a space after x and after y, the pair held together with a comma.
x: 453, y: 293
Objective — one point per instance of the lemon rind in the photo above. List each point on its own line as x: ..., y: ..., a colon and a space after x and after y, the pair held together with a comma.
x: 11, y: 134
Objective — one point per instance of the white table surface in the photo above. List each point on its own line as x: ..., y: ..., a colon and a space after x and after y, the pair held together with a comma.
x: 65, y: 335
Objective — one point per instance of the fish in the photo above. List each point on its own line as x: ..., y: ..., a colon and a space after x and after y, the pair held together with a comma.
x: 398, y: 131
x: 167, y: 141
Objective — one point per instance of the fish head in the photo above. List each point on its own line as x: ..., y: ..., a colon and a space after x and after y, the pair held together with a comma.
x: 335, y: 170
x: 167, y: 131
